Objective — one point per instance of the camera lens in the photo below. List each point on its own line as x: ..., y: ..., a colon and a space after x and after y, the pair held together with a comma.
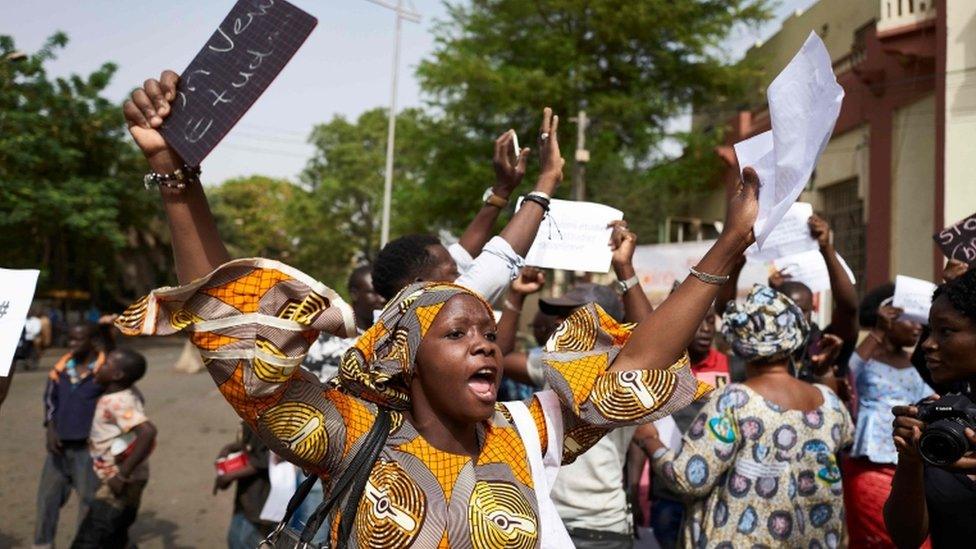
x: 943, y: 442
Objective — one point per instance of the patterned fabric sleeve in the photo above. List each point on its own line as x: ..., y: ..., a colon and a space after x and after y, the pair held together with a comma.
x: 576, y: 360
x: 706, y: 450
x: 253, y: 321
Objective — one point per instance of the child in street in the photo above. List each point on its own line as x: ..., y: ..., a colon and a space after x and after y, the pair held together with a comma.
x: 121, y: 440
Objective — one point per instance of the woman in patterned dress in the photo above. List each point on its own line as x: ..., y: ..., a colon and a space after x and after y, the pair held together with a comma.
x: 759, y: 465
x: 883, y: 378
x: 457, y: 469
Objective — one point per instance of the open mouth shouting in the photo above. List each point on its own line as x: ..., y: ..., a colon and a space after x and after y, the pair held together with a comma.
x: 484, y: 383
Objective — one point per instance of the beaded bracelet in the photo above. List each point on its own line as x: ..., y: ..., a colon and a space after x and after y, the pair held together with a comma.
x: 176, y: 180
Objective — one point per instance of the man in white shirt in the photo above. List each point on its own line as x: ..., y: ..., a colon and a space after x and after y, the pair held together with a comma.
x: 483, y: 265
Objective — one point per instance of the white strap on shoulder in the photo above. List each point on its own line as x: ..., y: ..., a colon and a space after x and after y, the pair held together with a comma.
x: 553, y: 533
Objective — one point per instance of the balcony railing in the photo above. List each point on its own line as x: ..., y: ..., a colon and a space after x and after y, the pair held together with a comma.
x: 903, y: 13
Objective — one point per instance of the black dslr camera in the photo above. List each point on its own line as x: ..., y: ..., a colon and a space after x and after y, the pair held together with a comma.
x: 944, y: 439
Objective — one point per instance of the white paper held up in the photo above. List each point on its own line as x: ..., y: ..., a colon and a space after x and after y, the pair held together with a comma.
x: 574, y: 236
x: 16, y: 293
x: 791, y: 235
x: 914, y: 297
x: 810, y: 269
x: 804, y: 102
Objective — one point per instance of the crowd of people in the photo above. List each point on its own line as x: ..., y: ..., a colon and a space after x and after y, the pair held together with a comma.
x: 413, y: 417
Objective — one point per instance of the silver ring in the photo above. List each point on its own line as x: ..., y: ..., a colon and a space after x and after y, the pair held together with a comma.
x: 544, y: 135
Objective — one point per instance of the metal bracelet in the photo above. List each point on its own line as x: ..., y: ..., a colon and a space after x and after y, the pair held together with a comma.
x: 176, y: 180
x: 708, y: 278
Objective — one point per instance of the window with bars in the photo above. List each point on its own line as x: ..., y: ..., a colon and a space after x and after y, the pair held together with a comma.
x: 844, y: 210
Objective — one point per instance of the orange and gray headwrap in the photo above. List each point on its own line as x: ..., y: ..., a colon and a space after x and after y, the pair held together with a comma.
x: 380, y: 365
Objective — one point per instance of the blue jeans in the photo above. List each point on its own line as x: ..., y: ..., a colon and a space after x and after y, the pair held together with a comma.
x: 666, y: 518
x: 306, y: 509
x: 72, y: 469
x: 242, y: 533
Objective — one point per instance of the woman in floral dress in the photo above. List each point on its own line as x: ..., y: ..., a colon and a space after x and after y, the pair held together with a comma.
x: 759, y: 465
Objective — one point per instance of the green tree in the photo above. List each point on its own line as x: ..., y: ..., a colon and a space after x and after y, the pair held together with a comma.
x: 256, y: 215
x: 633, y: 65
x: 71, y: 198
x: 345, y: 178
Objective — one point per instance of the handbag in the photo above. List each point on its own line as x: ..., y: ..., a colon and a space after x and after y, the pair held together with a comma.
x: 354, y: 478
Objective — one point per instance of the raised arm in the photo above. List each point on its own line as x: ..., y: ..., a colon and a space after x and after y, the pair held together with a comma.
x: 843, y: 319
x: 530, y: 281
x: 727, y: 292
x: 197, y: 247
x: 664, y: 335
x: 521, y: 230
x: 508, y: 175
x: 623, y: 242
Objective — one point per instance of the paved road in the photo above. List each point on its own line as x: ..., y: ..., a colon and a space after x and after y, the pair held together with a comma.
x: 178, y: 509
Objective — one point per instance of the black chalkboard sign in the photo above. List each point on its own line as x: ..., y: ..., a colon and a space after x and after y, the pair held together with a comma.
x: 250, y: 47
x: 959, y: 240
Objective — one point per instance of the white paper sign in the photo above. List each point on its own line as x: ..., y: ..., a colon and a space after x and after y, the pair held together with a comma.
x: 16, y: 293
x: 791, y: 235
x: 914, y: 296
x: 810, y: 269
x: 574, y: 236
x: 804, y: 102
x: 659, y: 266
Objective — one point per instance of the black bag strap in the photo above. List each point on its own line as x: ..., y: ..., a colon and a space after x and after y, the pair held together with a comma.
x: 356, y: 491
x: 356, y: 474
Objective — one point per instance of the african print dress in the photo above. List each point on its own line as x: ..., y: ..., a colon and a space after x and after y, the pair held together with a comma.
x: 758, y: 475
x: 253, y: 321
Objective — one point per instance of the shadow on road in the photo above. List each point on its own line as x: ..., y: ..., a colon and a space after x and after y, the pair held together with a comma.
x: 150, y: 529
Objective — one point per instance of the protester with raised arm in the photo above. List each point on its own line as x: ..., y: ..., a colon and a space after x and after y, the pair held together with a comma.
x: 451, y: 466
x: 883, y: 378
x: 826, y: 347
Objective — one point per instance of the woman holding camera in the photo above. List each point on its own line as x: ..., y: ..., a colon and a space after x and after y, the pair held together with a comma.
x: 927, y: 500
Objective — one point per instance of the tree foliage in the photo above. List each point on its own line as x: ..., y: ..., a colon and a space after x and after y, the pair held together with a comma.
x: 633, y: 65
x: 71, y: 198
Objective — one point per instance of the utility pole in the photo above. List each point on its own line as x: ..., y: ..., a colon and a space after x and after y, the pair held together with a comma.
x: 582, y: 156
x: 414, y: 17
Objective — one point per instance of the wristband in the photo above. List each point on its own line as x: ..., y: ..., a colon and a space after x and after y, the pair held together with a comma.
x: 542, y: 202
x: 508, y: 305
x: 492, y: 199
x: 542, y: 195
x: 625, y: 285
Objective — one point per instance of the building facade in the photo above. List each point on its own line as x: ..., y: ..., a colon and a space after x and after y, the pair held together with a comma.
x: 901, y: 163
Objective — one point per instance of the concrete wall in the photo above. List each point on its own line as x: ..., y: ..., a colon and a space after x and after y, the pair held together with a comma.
x: 913, y: 189
x: 960, y: 115
x: 834, y: 20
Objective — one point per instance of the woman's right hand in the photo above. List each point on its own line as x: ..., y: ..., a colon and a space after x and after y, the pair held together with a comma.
x: 742, y: 209
x: 887, y: 316
x: 907, y: 429
x: 144, y: 112
x: 550, y: 160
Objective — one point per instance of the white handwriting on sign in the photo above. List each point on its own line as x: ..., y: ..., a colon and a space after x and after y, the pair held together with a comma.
x: 239, y: 27
x: 196, y: 129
